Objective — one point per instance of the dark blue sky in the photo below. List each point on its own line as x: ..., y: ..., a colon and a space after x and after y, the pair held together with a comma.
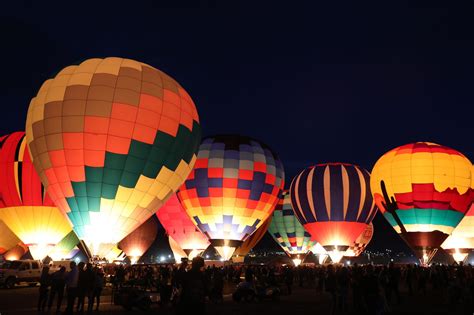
x: 318, y: 83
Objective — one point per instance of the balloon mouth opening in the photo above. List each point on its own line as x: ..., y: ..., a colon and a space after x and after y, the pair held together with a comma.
x: 296, y: 262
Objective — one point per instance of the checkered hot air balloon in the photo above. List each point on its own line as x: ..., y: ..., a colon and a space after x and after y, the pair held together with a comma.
x: 423, y: 189
x: 288, y: 232
x: 26, y: 208
x: 361, y: 242
x: 334, y: 203
x: 111, y: 139
x: 232, y: 189
x: 181, y: 229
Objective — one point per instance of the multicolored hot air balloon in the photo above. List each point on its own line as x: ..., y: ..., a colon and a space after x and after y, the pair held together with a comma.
x: 137, y: 242
x: 288, y: 232
x: 423, y: 189
x: 250, y: 242
x: 27, y: 209
x: 461, y: 241
x: 181, y: 229
x: 232, y: 189
x: 361, y: 242
x: 334, y: 203
x: 8, y: 239
x: 111, y: 139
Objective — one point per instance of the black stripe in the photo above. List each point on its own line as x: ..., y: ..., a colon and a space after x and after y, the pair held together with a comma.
x: 320, y: 206
x: 354, y: 194
x: 363, y: 217
x: 337, y: 192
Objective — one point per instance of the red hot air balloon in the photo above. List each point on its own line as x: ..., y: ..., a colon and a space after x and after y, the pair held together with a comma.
x: 334, y: 203
x: 180, y: 227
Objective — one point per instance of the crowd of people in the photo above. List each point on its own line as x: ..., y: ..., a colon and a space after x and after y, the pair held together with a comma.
x: 364, y: 289
x: 80, y: 282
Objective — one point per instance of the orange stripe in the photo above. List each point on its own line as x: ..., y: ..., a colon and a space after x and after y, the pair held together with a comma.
x: 345, y: 190
x: 309, y: 192
x: 327, y: 191
x: 298, y: 204
x: 363, y: 189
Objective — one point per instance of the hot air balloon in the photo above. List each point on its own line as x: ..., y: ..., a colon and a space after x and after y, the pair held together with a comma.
x: 137, y: 242
x: 334, y: 203
x: 232, y: 189
x: 461, y: 241
x: 181, y: 229
x: 288, y: 232
x: 361, y: 242
x: 111, y: 139
x: 423, y: 189
x: 8, y: 239
x: 178, y: 252
x: 27, y: 209
x: 321, y: 252
x: 250, y: 242
x: 65, y: 248
x: 16, y: 252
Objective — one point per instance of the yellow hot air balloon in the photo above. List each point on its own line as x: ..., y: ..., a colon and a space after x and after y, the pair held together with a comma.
x: 424, y: 190
x: 8, y: 239
x: 27, y: 209
x: 111, y: 139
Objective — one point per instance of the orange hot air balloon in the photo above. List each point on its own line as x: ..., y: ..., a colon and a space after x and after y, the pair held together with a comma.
x: 27, y: 209
x: 8, y: 239
x: 334, y: 203
x: 361, y: 242
x: 254, y: 239
x: 111, y: 140
x: 181, y: 229
x: 16, y: 252
x: 137, y: 242
x: 423, y: 190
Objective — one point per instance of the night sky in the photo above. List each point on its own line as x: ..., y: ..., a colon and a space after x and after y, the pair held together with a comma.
x: 340, y: 82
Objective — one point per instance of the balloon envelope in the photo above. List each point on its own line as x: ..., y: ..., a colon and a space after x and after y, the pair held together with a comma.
x: 431, y: 189
x: 461, y: 240
x: 27, y: 210
x: 361, y: 242
x: 8, y: 239
x: 135, y: 244
x: 232, y: 189
x: 111, y: 139
x: 287, y: 231
x: 334, y: 203
x: 181, y: 228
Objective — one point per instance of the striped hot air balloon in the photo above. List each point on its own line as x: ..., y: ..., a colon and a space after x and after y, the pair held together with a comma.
x: 361, y: 242
x: 288, y: 232
x: 232, y: 189
x: 181, y: 229
x: 65, y: 249
x: 250, y: 242
x: 423, y: 189
x: 334, y: 203
x: 111, y: 140
x: 27, y: 209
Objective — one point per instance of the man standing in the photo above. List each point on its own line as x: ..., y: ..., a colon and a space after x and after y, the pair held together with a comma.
x: 71, y: 287
x: 57, y: 286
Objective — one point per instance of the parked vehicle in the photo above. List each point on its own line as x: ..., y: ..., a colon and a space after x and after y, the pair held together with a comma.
x: 20, y: 271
